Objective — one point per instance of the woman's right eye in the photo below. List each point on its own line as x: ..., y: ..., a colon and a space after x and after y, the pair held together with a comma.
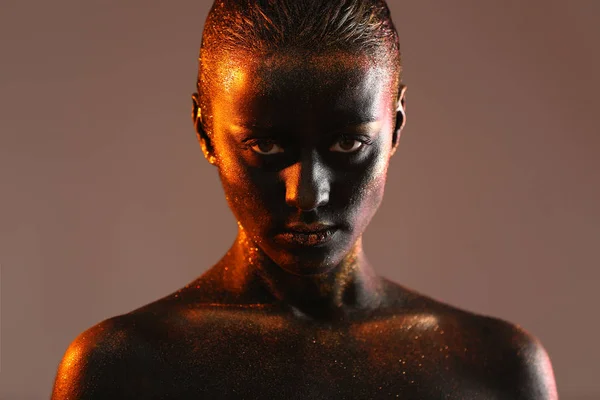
x: 265, y: 147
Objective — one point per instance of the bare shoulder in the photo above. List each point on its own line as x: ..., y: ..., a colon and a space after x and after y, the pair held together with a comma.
x: 97, y: 362
x: 131, y: 355
x: 523, y: 360
x: 516, y: 357
x: 512, y: 361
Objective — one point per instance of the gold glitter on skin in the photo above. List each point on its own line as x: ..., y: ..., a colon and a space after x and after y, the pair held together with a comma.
x: 300, y: 322
x: 257, y: 323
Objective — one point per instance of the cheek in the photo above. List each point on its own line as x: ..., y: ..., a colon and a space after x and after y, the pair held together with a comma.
x: 378, y: 172
x: 235, y: 181
x: 375, y: 187
x: 245, y: 197
x: 367, y: 192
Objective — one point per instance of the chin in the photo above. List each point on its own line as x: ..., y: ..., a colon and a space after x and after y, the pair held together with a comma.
x: 309, y: 261
x: 307, y: 269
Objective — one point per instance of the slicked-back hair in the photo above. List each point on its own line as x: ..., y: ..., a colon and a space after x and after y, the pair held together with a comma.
x: 268, y: 27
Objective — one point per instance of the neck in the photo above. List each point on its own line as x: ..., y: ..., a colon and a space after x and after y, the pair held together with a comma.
x: 350, y: 286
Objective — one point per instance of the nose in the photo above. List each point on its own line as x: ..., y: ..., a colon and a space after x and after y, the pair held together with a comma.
x: 306, y: 183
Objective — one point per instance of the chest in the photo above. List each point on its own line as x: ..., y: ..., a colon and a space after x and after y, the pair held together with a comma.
x: 260, y: 362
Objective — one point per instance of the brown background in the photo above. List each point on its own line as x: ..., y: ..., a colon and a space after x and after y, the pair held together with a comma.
x: 492, y: 201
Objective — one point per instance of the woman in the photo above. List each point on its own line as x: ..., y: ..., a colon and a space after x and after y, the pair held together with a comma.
x: 300, y: 107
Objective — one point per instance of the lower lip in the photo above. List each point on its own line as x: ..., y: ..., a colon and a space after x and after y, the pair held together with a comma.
x: 306, y: 239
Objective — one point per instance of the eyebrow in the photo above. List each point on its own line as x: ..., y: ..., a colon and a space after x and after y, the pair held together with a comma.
x: 355, y: 120
x: 272, y: 129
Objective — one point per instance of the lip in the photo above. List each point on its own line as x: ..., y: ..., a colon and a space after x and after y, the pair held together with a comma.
x: 309, y: 228
x: 306, y: 235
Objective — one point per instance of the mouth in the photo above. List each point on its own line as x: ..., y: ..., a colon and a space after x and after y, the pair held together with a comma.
x: 306, y: 235
x: 308, y: 228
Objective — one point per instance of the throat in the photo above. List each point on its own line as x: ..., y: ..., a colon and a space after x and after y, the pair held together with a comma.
x: 348, y: 289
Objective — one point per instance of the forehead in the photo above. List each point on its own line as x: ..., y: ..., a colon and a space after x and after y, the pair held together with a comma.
x: 254, y: 85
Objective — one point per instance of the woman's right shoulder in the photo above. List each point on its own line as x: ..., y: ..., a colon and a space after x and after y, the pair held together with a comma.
x: 94, y: 364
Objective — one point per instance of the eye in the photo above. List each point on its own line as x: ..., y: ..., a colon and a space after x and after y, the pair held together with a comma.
x: 265, y: 147
x: 348, y: 145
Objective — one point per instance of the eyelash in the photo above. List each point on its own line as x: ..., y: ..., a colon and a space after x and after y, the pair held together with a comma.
x: 364, y: 140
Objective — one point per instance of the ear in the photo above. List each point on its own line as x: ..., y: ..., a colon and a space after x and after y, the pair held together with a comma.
x: 203, y: 138
x: 400, y: 118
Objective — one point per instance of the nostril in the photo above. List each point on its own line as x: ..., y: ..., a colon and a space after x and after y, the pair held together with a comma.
x: 308, y: 199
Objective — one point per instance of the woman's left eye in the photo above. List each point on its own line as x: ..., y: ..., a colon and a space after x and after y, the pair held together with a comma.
x: 347, y: 145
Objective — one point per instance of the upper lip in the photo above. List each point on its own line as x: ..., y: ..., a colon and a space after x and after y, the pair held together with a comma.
x: 314, y: 227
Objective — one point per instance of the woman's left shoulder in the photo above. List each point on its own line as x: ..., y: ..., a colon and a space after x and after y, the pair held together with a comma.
x: 515, y: 355
x: 508, y: 357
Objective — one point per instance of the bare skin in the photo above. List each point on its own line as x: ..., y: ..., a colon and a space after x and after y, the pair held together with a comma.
x: 296, y: 316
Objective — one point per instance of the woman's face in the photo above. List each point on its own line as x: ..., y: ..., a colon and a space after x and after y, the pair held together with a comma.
x: 300, y: 142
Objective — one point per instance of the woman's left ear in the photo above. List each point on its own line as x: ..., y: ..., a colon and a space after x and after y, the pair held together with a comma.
x: 400, y: 117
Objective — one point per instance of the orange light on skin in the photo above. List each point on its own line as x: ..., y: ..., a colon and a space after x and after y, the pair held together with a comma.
x: 417, y: 322
x: 68, y: 366
x: 410, y: 336
x: 231, y: 75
